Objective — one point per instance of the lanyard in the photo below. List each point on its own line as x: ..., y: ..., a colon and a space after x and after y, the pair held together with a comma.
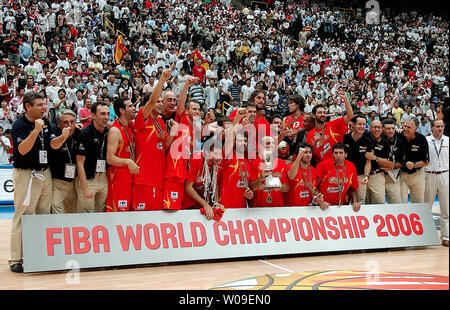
x: 392, y: 149
x: 103, y: 145
x: 68, y: 150
x: 130, y: 141
x: 340, y: 185
x: 293, y: 120
x: 440, y: 148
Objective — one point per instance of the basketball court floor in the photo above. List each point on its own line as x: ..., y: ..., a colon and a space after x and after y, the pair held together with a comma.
x: 400, y: 268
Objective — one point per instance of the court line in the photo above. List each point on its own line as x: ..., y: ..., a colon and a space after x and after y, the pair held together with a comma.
x: 276, y: 266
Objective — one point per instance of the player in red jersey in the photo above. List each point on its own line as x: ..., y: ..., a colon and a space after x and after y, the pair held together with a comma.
x: 120, y: 155
x: 326, y: 134
x: 294, y: 122
x: 235, y: 188
x: 303, y: 179
x: 202, y: 184
x: 338, y: 180
x: 179, y: 154
x: 268, y: 176
x: 152, y: 141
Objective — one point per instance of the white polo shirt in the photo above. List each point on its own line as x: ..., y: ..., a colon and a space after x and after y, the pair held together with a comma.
x: 438, y: 150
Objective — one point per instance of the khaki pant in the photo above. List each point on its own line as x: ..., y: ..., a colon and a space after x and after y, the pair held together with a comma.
x: 40, y: 200
x: 415, y: 184
x: 376, y: 189
x: 393, y: 192
x: 438, y: 184
x: 64, y: 197
x: 99, y: 188
x: 361, y: 191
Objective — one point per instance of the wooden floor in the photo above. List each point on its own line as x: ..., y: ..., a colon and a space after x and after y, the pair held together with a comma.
x: 205, y: 275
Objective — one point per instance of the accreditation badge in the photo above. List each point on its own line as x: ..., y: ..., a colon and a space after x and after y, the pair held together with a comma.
x: 69, y: 171
x: 101, y: 166
x: 43, y: 159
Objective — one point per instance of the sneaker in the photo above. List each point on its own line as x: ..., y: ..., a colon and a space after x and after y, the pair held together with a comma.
x: 17, y: 267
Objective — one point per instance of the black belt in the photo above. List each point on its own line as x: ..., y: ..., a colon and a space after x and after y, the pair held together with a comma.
x: 375, y: 172
x: 436, y: 172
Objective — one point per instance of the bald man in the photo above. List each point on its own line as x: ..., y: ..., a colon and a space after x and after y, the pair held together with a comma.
x: 379, y: 156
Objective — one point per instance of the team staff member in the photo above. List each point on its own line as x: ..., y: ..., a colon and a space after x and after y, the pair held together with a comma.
x: 379, y: 157
x: 120, y: 156
x: 92, y: 182
x: 263, y: 196
x: 303, y: 179
x: 396, y: 155
x: 358, y: 144
x: 152, y: 142
x: 436, y: 174
x: 32, y: 180
x: 338, y: 180
x: 412, y: 177
x: 63, y: 165
x: 326, y: 134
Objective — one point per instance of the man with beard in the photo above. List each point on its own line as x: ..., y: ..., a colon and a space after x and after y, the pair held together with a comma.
x: 152, y: 141
x: 412, y: 177
x: 268, y: 176
x: 379, y: 157
x: 202, y: 184
x: 326, y: 134
x: 303, y: 179
x: 235, y: 190
x: 338, y: 180
x: 121, y: 158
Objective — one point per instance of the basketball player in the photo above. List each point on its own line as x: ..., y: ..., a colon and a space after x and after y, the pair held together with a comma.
x: 265, y: 169
x: 303, y: 179
x: 202, y: 184
x: 326, y: 134
x: 338, y: 180
x: 152, y: 140
x: 120, y: 155
x: 179, y: 153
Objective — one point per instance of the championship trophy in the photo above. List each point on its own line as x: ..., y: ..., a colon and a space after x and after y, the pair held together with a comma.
x: 271, y: 182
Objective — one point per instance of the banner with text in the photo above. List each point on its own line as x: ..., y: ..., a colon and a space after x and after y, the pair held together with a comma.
x: 6, y: 185
x: 60, y: 241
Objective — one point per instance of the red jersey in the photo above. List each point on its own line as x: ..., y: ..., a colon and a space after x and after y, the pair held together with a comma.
x: 124, y: 147
x: 299, y: 194
x: 329, y: 181
x: 233, y: 185
x: 178, y: 157
x: 292, y: 122
x: 195, y: 175
x: 332, y: 133
x: 150, y: 138
x: 261, y: 196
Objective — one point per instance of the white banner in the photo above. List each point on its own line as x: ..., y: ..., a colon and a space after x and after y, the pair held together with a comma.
x: 6, y: 185
x: 55, y: 242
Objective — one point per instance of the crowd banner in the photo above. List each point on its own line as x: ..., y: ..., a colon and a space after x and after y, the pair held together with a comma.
x: 6, y: 184
x: 89, y: 240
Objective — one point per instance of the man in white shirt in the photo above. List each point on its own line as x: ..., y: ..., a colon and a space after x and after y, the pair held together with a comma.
x: 5, y: 145
x: 436, y: 174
